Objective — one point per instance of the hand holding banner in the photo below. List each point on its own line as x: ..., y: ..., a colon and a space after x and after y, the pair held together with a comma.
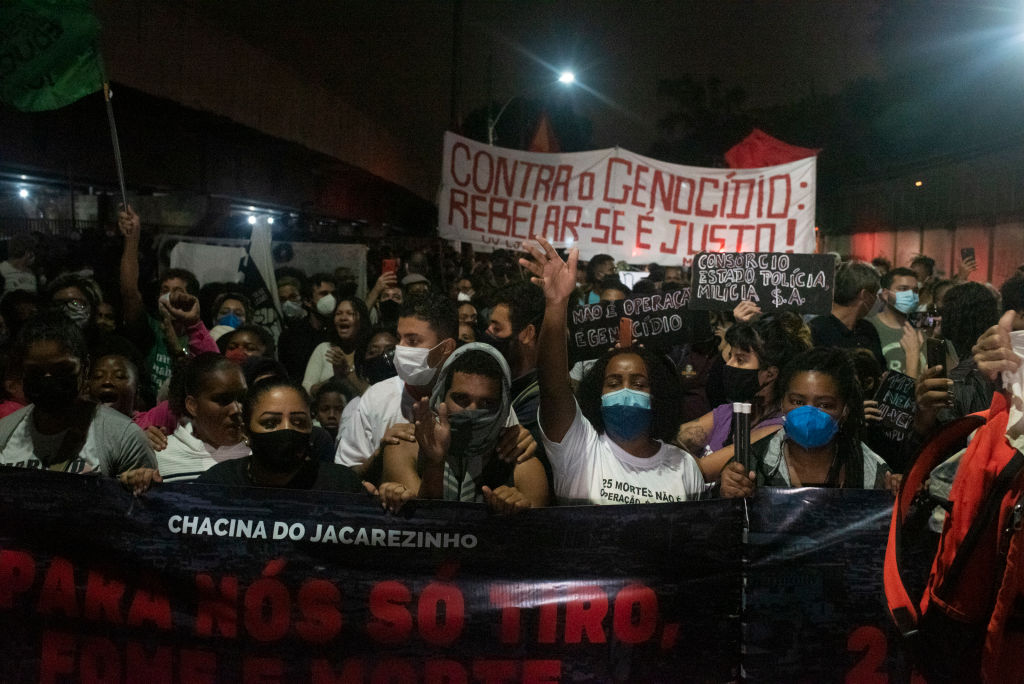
x: 896, y: 403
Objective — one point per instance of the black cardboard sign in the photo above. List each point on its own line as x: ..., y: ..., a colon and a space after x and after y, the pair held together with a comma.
x: 772, y: 280
x: 896, y: 402
x: 660, y: 319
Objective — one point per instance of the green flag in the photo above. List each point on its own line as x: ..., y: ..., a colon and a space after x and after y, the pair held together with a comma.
x: 48, y: 53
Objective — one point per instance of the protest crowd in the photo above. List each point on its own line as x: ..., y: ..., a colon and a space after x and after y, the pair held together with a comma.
x: 460, y: 383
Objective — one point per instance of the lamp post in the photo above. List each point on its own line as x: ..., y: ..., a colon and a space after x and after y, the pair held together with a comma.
x: 566, y: 78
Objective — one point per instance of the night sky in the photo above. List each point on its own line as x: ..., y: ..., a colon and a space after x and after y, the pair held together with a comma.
x: 393, y: 58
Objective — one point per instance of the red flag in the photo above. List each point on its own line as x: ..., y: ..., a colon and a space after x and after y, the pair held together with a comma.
x: 760, y: 149
x: 544, y: 139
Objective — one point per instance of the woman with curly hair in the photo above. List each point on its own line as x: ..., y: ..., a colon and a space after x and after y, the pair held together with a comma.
x: 819, y: 443
x: 610, y: 448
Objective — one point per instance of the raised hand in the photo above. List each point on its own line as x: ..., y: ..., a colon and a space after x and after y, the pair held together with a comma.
x: 180, y: 307
x: 967, y: 267
x: 746, y: 311
x: 433, y: 435
x: 556, y: 277
x: 994, y: 353
x: 128, y: 222
x: 386, y: 280
x: 932, y: 392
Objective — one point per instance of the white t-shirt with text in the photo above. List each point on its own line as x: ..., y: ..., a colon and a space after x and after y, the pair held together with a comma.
x: 590, y: 468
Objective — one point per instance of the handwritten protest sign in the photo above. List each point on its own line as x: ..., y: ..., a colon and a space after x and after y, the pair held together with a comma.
x: 619, y: 203
x: 660, y: 319
x: 801, y: 282
x: 895, y: 398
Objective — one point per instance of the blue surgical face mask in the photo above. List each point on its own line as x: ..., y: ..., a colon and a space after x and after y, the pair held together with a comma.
x: 230, y: 320
x: 810, y: 427
x: 626, y: 414
x: 905, y: 301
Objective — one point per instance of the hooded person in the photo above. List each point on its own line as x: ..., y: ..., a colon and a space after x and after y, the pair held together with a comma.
x: 427, y: 328
x: 474, y: 431
x: 458, y: 430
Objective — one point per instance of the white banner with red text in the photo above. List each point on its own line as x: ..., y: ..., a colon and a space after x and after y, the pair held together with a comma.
x: 616, y: 202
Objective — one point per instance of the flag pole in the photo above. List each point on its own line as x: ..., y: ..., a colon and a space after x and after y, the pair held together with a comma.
x: 117, y: 145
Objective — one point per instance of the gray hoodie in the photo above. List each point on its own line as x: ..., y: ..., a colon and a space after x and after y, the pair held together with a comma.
x: 473, y: 464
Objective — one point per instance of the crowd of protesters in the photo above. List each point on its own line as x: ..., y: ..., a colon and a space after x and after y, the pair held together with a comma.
x: 453, y: 378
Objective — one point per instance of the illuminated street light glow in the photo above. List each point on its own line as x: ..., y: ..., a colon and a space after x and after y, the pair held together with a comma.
x: 565, y: 78
x: 270, y: 220
x: 918, y: 184
x: 23, y: 193
x: 252, y: 220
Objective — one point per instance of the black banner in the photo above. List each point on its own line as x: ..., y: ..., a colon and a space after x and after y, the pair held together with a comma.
x: 264, y: 312
x: 199, y: 583
x: 204, y: 583
x: 800, y: 282
x: 815, y: 609
x: 660, y: 320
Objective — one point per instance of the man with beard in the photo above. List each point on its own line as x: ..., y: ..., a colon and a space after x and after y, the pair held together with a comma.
x: 58, y: 430
x: 455, y: 457
x: 515, y: 321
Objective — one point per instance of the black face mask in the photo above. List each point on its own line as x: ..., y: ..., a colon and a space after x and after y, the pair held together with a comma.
x: 389, y: 310
x: 380, y: 367
x: 51, y: 393
x: 502, y: 344
x: 740, y: 384
x: 470, y: 432
x: 280, y: 451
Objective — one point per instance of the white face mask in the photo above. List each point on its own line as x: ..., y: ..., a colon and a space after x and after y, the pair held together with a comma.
x: 293, y: 310
x: 465, y: 297
x: 1014, y: 384
x: 325, y: 305
x: 412, y: 366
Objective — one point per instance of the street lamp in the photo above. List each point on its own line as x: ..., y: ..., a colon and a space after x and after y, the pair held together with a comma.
x: 566, y: 78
